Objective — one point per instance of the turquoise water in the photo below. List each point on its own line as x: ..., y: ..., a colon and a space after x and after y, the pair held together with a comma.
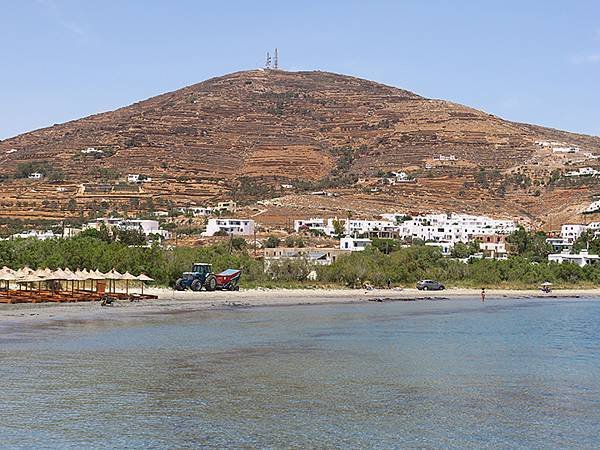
x: 504, y: 374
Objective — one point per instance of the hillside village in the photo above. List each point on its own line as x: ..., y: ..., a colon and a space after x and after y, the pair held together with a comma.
x: 305, y: 166
x: 321, y: 241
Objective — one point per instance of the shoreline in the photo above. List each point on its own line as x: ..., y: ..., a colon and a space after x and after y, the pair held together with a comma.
x: 174, y: 302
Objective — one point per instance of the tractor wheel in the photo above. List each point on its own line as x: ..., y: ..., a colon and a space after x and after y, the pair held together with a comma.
x: 196, y: 285
x: 210, y: 283
x: 179, y: 285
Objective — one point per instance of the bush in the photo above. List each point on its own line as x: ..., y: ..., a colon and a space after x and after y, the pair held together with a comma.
x: 272, y: 242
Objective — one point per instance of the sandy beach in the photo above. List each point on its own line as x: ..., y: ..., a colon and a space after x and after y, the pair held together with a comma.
x: 174, y: 302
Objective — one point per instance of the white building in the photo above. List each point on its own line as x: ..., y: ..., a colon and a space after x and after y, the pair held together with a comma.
x: 36, y: 176
x: 594, y: 207
x: 133, y: 178
x: 354, y: 244
x: 197, y: 211
x: 453, y: 227
x: 399, y: 177
x: 559, y: 244
x: 70, y: 232
x: 430, y: 228
x: 571, y: 232
x: 445, y: 158
x: 310, y: 224
x: 241, y: 227
x: 582, y: 172
x: 91, y: 150
x: 228, y: 205
x: 313, y: 255
x: 146, y: 227
x: 582, y: 258
x: 34, y: 234
x: 569, y: 149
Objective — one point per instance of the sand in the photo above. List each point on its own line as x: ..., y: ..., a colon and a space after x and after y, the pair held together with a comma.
x: 173, y: 302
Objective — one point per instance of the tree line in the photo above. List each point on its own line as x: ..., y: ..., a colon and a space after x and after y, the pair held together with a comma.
x: 401, y: 265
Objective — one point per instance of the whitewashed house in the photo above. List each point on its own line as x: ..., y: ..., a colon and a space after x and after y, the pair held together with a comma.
x: 133, y: 178
x: 582, y: 172
x: 453, y: 227
x: 34, y: 234
x: 569, y: 149
x: 35, y: 176
x: 571, y: 232
x: 146, y: 227
x: 354, y: 244
x: 583, y: 258
x: 594, y: 207
x: 241, y: 227
x: 228, y: 205
x: 91, y: 150
x: 310, y: 224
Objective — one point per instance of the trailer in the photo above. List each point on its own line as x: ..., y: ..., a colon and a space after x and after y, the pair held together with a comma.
x: 228, y: 280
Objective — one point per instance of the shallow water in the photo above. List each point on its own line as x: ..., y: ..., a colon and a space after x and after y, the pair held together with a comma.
x: 504, y: 374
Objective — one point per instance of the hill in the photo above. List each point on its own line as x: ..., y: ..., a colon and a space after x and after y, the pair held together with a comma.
x: 250, y: 135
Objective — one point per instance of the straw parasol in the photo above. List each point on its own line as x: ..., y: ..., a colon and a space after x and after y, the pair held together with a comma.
x: 128, y: 277
x: 114, y: 276
x: 99, y: 275
x: 143, y: 278
x: 30, y: 278
x: 23, y: 272
x: 7, y: 275
x: 40, y: 273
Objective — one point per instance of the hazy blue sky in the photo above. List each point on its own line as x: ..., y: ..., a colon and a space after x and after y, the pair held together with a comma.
x: 530, y: 61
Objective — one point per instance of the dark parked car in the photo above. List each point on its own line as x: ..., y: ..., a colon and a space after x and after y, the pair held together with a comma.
x: 430, y: 285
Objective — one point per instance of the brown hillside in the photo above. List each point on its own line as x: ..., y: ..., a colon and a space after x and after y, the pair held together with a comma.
x: 277, y: 127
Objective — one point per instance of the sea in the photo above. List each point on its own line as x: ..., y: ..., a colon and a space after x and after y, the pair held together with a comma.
x: 520, y: 373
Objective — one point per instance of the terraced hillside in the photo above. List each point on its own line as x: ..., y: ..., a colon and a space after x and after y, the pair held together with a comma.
x: 245, y: 134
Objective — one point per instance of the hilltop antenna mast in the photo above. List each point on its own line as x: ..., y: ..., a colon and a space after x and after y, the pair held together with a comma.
x: 268, y: 63
x: 276, y: 60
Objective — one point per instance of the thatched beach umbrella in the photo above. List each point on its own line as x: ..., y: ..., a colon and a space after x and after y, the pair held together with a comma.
x: 24, y: 271
x: 127, y: 277
x: 31, y: 278
x: 143, y: 278
x: 113, y: 276
x: 7, y: 275
x: 69, y: 275
x: 98, y: 276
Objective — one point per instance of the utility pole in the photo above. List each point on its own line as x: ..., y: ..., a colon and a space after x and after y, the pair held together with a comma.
x: 276, y: 60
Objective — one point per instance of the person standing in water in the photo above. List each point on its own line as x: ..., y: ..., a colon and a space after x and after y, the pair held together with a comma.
x: 483, y: 294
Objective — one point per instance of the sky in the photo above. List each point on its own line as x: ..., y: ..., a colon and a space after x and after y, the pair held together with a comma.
x: 527, y: 61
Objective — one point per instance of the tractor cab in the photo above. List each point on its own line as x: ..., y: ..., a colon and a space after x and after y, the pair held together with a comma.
x: 202, y: 268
